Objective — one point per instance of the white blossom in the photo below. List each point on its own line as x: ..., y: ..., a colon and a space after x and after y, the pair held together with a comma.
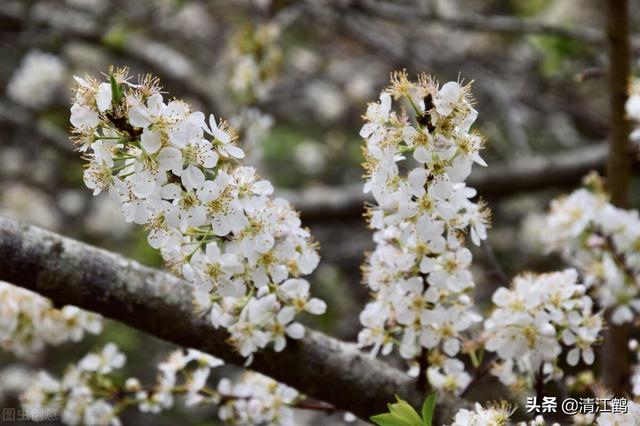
x: 493, y: 415
x: 535, y: 318
x: 29, y: 322
x: 601, y: 241
x: 212, y: 219
x: 38, y: 78
x: 419, y: 271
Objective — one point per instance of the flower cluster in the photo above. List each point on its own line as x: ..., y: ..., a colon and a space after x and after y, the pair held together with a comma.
x: 629, y: 418
x: 255, y: 57
x: 29, y: 321
x: 534, y: 318
x: 419, y: 272
x: 82, y: 395
x: 257, y: 400
x: 632, y: 108
x: 212, y: 219
x: 90, y: 394
x: 492, y: 415
x: 602, y: 242
x: 37, y: 80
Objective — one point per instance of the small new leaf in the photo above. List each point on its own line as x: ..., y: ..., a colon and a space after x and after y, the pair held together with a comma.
x: 400, y: 414
x: 428, y: 408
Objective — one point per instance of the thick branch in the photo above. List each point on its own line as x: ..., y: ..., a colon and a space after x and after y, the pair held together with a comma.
x: 527, y: 174
x: 158, y: 303
x: 615, y: 359
x: 482, y: 23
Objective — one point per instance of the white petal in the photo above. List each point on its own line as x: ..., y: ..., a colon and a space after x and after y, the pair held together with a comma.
x: 295, y: 331
x: 151, y: 141
x: 103, y: 97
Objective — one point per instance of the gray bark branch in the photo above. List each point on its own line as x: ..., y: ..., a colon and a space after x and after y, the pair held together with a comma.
x: 160, y: 304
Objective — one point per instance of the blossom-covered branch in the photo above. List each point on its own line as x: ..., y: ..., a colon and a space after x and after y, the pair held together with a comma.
x: 419, y: 272
x: 70, y: 272
x: 90, y: 393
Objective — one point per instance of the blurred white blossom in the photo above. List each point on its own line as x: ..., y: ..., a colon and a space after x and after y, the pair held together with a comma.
x: 30, y: 205
x: 29, y: 321
x: 601, y: 241
x: 311, y: 156
x: 88, y: 393
x: 38, y: 78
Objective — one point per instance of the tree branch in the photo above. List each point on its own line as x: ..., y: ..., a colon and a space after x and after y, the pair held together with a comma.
x: 497, y: 24
x: 158, y: 303
x: 559, y: 170
x: 615, y: 358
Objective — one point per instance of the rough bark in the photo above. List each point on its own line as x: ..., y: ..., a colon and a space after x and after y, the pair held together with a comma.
x: 615, y: 357
x: 158, y: 303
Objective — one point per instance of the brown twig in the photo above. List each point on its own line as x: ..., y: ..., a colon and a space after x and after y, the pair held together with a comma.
x: 480, y: 373
x: 423, y: 362
x: 540, y: 385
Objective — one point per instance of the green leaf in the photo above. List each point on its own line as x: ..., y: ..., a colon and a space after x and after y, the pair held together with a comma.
x: 386, y: 419
x: 428, y: 408
x: 405, y: 411
x: 400, y: 414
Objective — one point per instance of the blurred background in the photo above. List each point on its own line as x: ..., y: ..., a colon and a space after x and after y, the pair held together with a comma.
x: 294, y: 77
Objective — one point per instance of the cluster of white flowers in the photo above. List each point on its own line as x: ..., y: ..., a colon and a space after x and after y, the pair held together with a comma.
x: 37, y: 79
x: 83, y: 394
x: 630, y: 418
x: 632, y: 108
x: 532, y: 321
x: 257, y: 400
x: 419, y: 272
x: 492, y: 415
x: 193, y: 365
x: 602, y: 242
x: 29, y: 321
x: 255, y: 57
x: 90, y: 394
x: 212, y: 219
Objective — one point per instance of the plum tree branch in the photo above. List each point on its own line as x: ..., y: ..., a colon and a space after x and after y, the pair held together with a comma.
x: 482, y: 23
x: 615, y: 358
x: 158, y: 303
x: 559, y: 170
